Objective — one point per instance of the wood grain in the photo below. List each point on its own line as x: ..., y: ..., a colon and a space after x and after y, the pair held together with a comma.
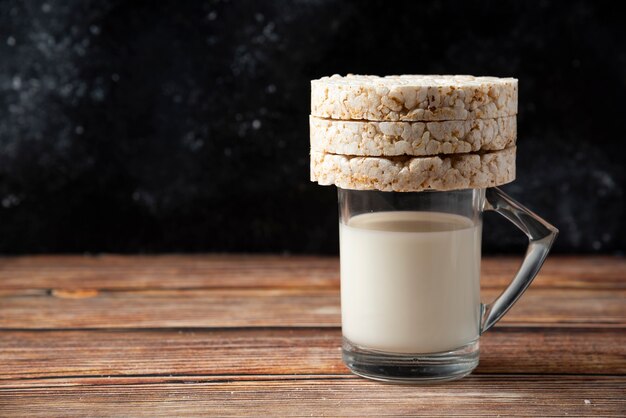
x: 270, y: 308
x: 48, y: 354
x: 167, y: 272
x: 259, y: 335
x: 245, y: 271
x: 328, y: 396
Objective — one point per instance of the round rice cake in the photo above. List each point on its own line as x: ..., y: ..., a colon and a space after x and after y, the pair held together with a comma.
x: 412, y: 174
x: 413, y: 97
x: 411, y: 138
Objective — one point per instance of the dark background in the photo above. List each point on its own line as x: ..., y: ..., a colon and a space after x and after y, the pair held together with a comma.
x: 136, y: 126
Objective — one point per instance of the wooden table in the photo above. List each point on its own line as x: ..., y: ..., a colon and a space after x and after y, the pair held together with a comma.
x: 259, y: 335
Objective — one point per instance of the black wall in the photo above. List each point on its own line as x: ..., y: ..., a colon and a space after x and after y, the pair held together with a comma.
x: 182, y: 126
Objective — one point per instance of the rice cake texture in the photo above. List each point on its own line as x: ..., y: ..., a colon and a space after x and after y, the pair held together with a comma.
x: 411, y: 138
x: 412, y: 174
x: 413, y: 97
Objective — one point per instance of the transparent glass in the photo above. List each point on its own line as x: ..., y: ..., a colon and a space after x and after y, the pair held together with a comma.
x: 410, y: 279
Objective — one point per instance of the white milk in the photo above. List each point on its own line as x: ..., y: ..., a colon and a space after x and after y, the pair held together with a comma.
x: 410, y: 281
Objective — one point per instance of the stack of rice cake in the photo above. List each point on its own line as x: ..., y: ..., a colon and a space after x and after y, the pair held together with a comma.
x: 413, y: 132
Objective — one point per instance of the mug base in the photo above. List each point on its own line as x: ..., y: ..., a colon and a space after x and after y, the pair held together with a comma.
x: 411, y: 368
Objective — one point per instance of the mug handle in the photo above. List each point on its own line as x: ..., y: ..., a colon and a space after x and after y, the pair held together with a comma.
x: 541, y: 236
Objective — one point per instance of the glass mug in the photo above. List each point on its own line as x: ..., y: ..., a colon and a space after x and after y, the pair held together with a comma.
x: 410, y: 279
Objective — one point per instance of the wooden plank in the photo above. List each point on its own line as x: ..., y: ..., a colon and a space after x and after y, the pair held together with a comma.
x: 323, y: 396
x: 544, y: 350
x: 167, y: 272
x: 268, y: 308
x: 584, y: 272
x: 49, y: 354
x: 247, y: 271
x: 174, y: 308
